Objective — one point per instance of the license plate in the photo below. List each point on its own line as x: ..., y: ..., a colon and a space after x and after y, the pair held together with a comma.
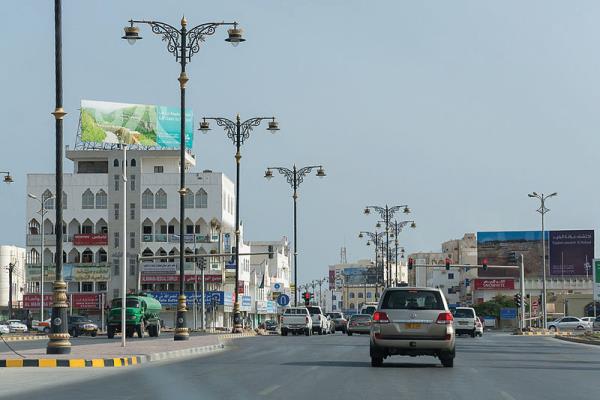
x: 413, y: 325
x: 462, y: 322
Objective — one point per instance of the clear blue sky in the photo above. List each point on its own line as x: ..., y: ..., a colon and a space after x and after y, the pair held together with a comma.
x: 457, y: 108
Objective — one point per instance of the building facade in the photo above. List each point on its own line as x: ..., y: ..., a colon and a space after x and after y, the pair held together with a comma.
x: 16, y: 256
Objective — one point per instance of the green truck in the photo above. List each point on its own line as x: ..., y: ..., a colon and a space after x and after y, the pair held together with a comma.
x: 142, y: 314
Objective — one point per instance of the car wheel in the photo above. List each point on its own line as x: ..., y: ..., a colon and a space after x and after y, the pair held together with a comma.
x: 552, y: 328
x: 284, y: 332
x: 94, y: 334
x: 349, y: 333
x: 110, y: 333
x: 46, y: 330
x: 376, y: 361
x: 307, y: 332
x: 320, y: 331
x: 580, y: 328
x: 447, y: 361
x: 473, y: 333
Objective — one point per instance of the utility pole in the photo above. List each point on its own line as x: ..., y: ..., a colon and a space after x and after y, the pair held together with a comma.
x: 11, y: 269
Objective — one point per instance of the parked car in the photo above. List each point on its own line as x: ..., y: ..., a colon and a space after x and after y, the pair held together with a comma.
x: 569, y: 323
x: 359, y: 323
x: 296, y: 320
x: 596, y: 324
x: 465, y: 321
x: 4, y: 329
x: 14, y: 325
x: 79, y: 325
x: 587, y: 319
x: 271, y: 325
x: 320, y: 324
x: 41, y: 326
x: 339, y: 321
x: 412, y: 321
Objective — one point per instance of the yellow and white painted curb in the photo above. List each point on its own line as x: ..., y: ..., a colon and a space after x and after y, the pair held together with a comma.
x: 23, y: 338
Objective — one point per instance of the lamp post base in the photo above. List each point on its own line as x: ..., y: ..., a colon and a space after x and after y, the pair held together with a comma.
x: 237, y: 318
x: 181, y: 331
x: 59, y: 338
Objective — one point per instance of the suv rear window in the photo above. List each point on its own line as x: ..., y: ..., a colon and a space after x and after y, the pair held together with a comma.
x: 412, y: 300
x: 295, y: 311
x: 314, y: 310
x: 464, y: 313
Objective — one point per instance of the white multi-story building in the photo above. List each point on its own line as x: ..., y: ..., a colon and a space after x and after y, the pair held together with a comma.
x: 93, y: 213
x: 15, y: 256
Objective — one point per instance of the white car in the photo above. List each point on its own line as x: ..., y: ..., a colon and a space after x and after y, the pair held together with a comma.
x: 589, y: 320
x: 4, y: 329
x: 297, y: 321
x: 465, y: 321
x: 16, y: 326
x: 569, y: 323
x: 320, y: 324
x: 41, y: 326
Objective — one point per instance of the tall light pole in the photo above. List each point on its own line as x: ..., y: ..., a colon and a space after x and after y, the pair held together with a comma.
x: 396, y: 228
x: 387, y: 213
x: 238, y: 132
x: 183, y: 44
x: 295, y: 177
x: 59, y: 335
x: 42, y: 212
x: 543, y: 210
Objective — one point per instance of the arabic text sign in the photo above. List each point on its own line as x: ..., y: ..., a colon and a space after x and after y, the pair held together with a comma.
x: 494, y: 284
x: 571, y: 252
x: 146, y: 125
x: 32, y: 301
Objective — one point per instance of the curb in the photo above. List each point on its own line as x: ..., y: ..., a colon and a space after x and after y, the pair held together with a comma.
x: 119, y: 362
x: 578, y: 340
x: 23, y: 338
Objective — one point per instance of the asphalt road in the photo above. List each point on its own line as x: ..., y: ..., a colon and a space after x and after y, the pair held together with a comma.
x: 497, y: 366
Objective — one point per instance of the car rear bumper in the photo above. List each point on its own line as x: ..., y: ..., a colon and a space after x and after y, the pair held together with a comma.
x: 359, y: 329
x: 295, y: 327
x: 414, y: 345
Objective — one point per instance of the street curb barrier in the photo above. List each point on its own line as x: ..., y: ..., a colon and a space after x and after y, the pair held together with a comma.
x: 23, y: 338
x: 579, y: 340
x: 121, y: 361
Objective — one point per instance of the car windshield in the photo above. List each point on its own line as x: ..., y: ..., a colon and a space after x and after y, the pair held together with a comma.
x: 464, y: 313
x: 369, y: 310
x: 314, y: 310
x: 79, y: 319
x: 412, y: 300
x: 129, y: 303
x: 360, y: 317
x: 335, y: 315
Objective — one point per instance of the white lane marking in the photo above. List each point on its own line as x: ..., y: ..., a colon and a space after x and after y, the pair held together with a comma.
x: 269, y: 390
x: 506, y: 395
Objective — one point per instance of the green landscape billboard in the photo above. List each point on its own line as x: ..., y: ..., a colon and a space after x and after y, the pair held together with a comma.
x: 146, y: 125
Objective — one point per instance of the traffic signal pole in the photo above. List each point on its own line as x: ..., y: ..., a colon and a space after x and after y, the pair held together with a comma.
x: 522, y: 293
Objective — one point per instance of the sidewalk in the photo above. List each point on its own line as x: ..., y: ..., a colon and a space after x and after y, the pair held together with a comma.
x: 111, y: 354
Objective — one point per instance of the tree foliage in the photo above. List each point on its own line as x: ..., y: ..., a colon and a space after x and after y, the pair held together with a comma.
x: 492, y: 307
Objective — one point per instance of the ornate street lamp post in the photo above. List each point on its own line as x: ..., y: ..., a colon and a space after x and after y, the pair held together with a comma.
x: 387, y: 213
x: 377, y: 239
x: 238, y: 132
x: 183, y: 44
x: 295, y: 177
x: 7, y: 178
x: 396, y: 227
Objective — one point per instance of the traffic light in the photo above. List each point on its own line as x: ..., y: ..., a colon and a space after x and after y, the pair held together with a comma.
x: 467, y: 282
x: 306, y: 296
x: 517, y: 299
x: 485, y: 264
x: 447, y: 264
x: 411, y: 263
x: 202, y: 262
x: 271, y: 252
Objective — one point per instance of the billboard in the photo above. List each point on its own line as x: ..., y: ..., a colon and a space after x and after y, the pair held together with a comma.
x: 494, y: 284
x: 146, y: 125
x: 568, y: 252
x: 506, y: 247
x: 571, y: 252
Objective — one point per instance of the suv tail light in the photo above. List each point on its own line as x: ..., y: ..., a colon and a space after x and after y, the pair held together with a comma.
x: 380, y: 317
x: 445, y: 318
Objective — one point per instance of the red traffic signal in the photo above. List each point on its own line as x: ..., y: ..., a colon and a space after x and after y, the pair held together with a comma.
x: 306, y: 296
x: 485, y: 264
x: 448, y: 264
x: 411, y: 263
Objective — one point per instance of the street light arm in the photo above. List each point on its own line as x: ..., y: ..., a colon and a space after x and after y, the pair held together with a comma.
x: 169, y: 34
x: 248, y: 125
x: 197, y: 34
x: 302, y: 172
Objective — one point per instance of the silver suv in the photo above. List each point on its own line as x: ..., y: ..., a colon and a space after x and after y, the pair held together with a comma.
x: 412, y: 322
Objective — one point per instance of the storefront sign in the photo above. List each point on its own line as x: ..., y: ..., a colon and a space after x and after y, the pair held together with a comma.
x: 494, y: 284
x: 170, y: 298
x: 246, y: 303
x: 147, y: 278
x: 32, y: 301
x: 85, y: 301
x: 160, y: 267
x: 90, y: 239
x: 71, y: 272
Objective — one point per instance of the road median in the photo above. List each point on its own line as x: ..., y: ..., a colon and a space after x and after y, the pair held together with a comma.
x: 111, y: 354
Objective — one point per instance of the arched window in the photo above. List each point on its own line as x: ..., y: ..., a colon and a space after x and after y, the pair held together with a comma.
x: 87, y: 200
x: 102, y: 257
x: 116, y: 163
x: 48, y: 201
x: 201, y: 199
x: 133, y: 163
x: 160, y: 199
x: 101, y: 200
x: 188, y: 199
x: 147, y: 199
x: 87, y: 256
x: 351, y: 305
x: 360, y: 295
x: 351, y: 295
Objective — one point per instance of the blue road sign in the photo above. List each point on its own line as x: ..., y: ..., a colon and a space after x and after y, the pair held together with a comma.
x: 283, y: 300
x: 508, y: 313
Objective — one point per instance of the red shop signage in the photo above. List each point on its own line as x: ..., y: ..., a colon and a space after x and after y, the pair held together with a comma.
x: 175, y: 278
x: 94, y: 239
x: 32, y: 301
x: 87, y: 301
x: 494, y: 284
